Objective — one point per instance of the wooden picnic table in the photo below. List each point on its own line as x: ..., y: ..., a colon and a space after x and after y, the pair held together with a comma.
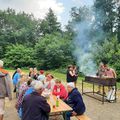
x: 63, y: 107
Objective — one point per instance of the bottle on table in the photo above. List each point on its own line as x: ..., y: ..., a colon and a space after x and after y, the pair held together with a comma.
x: 57, y: 101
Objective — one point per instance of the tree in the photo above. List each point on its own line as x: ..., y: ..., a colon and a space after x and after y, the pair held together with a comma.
x: 118, y: 24
x: 17, y: 27
x: 80, y: 14
x: 105, y: 15
x: 18, y: 56
x: 49, y: 25
x: 53, y: 51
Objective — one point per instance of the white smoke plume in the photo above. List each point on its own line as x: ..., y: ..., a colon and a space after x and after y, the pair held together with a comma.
x: 83, y: 46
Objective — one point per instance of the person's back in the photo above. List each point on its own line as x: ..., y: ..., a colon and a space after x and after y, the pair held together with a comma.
x: 16, y: 78
x: 35, y: 107
x: 2, y: 86
x: 5, y: 89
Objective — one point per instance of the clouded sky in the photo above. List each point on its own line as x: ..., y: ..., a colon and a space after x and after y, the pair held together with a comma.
x: 40, y: 7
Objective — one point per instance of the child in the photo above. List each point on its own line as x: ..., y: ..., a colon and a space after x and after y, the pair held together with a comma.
x: 59, y: 90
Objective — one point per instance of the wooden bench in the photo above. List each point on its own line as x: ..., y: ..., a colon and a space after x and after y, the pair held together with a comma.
x: 83, y: 117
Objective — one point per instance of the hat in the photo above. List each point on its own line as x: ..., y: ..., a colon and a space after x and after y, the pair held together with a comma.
x: 1, y: 63
x: 71, y: 84
x: 38, y: 85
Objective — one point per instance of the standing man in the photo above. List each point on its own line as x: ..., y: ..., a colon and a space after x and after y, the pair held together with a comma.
x: 5, y: 90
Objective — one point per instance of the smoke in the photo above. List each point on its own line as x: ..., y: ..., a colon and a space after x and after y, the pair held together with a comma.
x: 83, y: 47
x: 84, y: 44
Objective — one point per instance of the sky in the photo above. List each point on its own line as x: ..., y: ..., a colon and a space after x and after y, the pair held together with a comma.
x: 39, y: 8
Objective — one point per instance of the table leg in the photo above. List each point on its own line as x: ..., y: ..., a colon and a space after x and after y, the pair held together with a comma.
x: 103, y: 95
x: 82, y: 87
x: 93, y: 89
x: 115, y: 93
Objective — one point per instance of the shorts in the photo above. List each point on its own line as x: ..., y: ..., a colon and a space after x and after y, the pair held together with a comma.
x: 2, y: 106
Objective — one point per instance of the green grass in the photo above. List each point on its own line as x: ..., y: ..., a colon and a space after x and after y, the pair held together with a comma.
x: 118, y: 85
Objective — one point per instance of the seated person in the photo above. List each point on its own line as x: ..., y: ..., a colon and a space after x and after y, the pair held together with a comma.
x: 41, y: 77
x: 35, y: 106
x: 59, y: 90
x: 49, y: 82
x: 75, y: 101
x: 26, y: 88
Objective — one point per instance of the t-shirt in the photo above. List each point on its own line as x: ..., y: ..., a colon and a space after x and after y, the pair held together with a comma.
x: 16, y: 78
x: 49, y: 84
x: 41, y: 77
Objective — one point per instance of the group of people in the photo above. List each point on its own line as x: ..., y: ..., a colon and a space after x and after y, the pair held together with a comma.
x: 105, y: 71
x: 31, y: 105
x: 30, y: 88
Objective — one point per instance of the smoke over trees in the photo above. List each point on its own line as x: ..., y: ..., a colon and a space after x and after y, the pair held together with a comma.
x: 93, y: 33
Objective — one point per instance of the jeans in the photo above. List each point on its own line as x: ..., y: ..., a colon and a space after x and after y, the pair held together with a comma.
x: 67, y: 115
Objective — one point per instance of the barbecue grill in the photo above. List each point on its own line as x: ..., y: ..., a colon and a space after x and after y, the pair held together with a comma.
x: 102, y: 81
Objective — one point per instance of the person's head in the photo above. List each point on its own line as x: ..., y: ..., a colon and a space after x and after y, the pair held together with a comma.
x: 31, y: 69
x: 70, y: 86
x: 101, y: 66
x: 105, y: 62
x: 74, y: 67
x: 1, y: 63
x: 38, y: 87
x: 58, y: 82
x: 41, y: 71
x: 106, y: 67
x: 49, y: 77
x: 29, y: 81
x: 35, y: 70
x: 19, y: 70
x: 23, y: 77
x: 70, y: 67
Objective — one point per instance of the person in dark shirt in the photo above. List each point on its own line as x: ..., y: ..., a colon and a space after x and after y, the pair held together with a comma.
x: 70, y: 74
x: 35, y: 106
x: 75, y: 101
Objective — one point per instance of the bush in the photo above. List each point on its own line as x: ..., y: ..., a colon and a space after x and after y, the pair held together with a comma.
x: 52, y: 52
x: 18, y: 56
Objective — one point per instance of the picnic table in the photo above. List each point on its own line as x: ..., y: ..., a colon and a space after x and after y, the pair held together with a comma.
x: 61, y: 109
